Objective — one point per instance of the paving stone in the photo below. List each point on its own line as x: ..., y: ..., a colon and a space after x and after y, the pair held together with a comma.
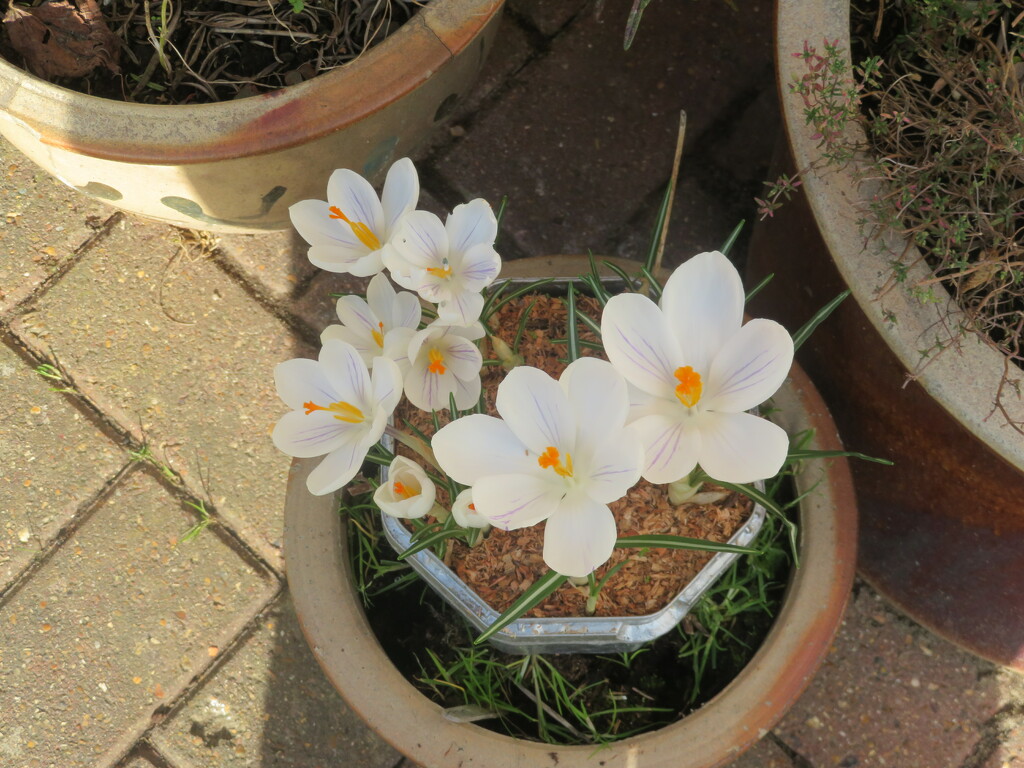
x: 137, y: 762
x: 42, y: 223
x: 270, y: 705
x: 316, y: 307
x: 891, y: 694
x: 764, y: 754
x: 275, y: 262
x: 114, y: 625
x: 53, y: 459
x: 512, y: 49
x: 550, y: 17
x: 178, y: 353
x: 700, y: 222
x: 1009, y: 752
x: 606, y: 119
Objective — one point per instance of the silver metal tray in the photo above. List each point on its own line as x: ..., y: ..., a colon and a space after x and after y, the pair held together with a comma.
x: 588, y: 634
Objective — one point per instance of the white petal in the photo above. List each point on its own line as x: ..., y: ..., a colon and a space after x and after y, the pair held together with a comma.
x: 470, y: 224
x: 354, y: 312
x: 360, y: 262
x: 477, y: 445
x: 480, y: 265
x: 536, y: 410
x: 749, y: 368
x: 741, y: 447
x: 421, y: 240
x: 396, y: 347
x: 462, y: 309
x: 405, y: 312
x: 671, y: 447
x: 598, y: 397
x: 427, y: 390
x: 415, y: 481
x: 337, y: 468
x: 312, y: 220
x: 380, y: 297
x: 613, y: 467
x: 579, y: 537
x: 363, y: 342
x: 465, y: 513
x: 639, y: 345
x: 301, y: 380
x: 354, y: 196
x: 347, y: 372
x: 302, y: 435
x: 703, y: 304
x: 401, y: 193
x: 517, y: 501
x: 467, y: 392
x: 386, y: 382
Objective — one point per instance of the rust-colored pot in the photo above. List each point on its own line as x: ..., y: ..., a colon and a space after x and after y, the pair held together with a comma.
x: 942, y: 532
x: 331, y: 615
x: 237, y: 166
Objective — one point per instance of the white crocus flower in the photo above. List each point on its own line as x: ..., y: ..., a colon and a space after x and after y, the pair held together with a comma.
x: 351, y: 231
x: 382, y: 324
x: 695, y: 369
x: 464, y: 511
x: 448, y: 264
x: 443, y: 362
x: 560, y: 452
x: 338, y: 408
x: 408, y: 493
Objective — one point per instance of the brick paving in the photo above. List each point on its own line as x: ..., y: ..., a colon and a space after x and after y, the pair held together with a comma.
x: 125, y: 646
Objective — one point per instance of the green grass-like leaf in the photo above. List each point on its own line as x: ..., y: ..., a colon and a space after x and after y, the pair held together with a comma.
x: 533, y: 596
x: 668, y: 541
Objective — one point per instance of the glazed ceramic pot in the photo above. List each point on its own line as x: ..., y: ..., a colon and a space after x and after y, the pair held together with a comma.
x: 331, y: 615
x: 942, y: 531
x: 237, y: 166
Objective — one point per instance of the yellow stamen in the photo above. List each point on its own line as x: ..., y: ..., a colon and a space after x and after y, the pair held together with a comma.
x: 378, y: 336
x: 359, y: 229
x: 551, y: 460
x: 342, y: 411
x: 436, y: 362
x: 445, y: 270
x: 401, y: 490
x: 690, y: 386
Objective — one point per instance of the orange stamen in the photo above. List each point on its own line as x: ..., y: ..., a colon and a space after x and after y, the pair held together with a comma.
x: 550, y: 459
x: 690, y: 386
x: 342, y: 411
x: 401, y: 490
x: 378, y: 336
x: 436, y: 362
x: 445, y: 270
x: 359, y: 229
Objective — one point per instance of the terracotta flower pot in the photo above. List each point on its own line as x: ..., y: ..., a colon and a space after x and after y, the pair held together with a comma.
x: 943, y: 530
x: 332, y: 618
x: 237, y: 166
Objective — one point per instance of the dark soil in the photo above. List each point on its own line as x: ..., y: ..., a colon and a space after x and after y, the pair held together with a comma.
x: 201, y: 51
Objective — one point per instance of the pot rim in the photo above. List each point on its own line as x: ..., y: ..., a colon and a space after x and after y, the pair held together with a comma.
x: 199, y: 133
x: 963, y: 381
x: 336, y: 628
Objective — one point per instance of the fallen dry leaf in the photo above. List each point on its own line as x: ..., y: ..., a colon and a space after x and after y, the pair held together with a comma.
x: 58, y: 39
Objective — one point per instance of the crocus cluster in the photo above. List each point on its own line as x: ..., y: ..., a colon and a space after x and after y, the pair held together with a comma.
x: 675, y: 392
x: 342, y: 401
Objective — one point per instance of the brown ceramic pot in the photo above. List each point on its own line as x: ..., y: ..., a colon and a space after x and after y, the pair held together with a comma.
x: 237, y: 166
x: 942, y: 532
x: 336, y: 628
